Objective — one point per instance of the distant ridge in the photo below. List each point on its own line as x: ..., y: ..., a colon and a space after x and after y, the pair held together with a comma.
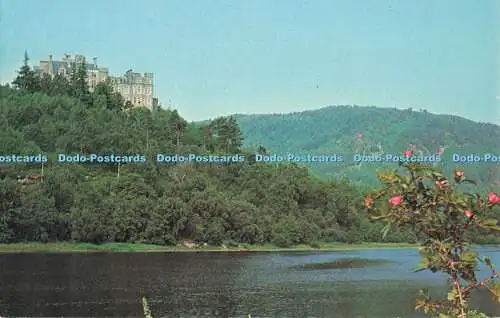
x: 355, y: 129
x: 421, y: 110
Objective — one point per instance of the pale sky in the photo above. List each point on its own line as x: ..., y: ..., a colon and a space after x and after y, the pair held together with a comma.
x: 219, y: 57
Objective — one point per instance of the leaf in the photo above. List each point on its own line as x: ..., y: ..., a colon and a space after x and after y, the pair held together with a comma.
x: 451, y: 295
x: 485, y: 260
x: 419, y: 268
x: 472, y: 196
x: 468, y: 257
x: 377, y: 217
x: 386, y: 230
x: 420, y: 303
x: 495, y: 291
x: 437, y: 175
x: 469, y: 181
x: 422, y: 265
x: 490, y: 224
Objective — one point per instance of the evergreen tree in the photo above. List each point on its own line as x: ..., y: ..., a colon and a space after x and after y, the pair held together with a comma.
x: 27, y: 79
x: 228, y: 134
x: 79, y: 85
x: 113, y: 100
x: 46, y: 85
x: 178, y: 124
x: 60, y: 85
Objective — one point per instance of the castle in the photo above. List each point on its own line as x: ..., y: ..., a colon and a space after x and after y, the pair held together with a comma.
x: 134, y: 87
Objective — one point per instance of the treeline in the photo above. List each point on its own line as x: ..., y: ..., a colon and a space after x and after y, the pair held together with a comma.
x: 250, y: 203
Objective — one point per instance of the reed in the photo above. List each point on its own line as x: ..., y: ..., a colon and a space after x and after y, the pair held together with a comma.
x: 145, y: 308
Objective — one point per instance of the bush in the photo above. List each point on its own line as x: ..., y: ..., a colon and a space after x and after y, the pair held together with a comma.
x: 315, y: 245
x: 282, y: 240
x: 424, y: 203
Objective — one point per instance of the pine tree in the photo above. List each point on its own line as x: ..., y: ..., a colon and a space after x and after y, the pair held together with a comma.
x: 27, y: 79
x: 79, y: 85
x: 179, y: 125
x: 60, y: 85
x: 228, y: 134
x: 113, y: 100
x: 46, y: 85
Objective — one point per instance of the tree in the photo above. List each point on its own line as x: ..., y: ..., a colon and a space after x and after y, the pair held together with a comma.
x: 79, y: 85
x: 110, y: 99
x: 46, y: 84
x: 60, y: 85
x: 261, y: 150
x: 128, y: 105
x: 227, y: 134
x: 178, y: 124
x: 27, y: 79
x: 208, y: 140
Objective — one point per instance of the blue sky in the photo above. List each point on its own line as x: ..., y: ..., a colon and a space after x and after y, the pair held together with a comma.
x: 215, y: 57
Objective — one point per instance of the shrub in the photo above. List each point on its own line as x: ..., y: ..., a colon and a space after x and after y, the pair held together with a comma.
x: 315, y: 244
x: 425, y: 203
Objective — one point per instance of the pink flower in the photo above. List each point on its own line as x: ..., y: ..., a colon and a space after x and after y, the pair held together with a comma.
x: 459, y: 174
x: 407, y: 153
x: 493, y: 198
x: 441, y: 183
x: 469, y: 214
x: 396, y: 200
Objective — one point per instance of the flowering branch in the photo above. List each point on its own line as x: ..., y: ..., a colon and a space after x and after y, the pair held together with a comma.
x: 442, y: 217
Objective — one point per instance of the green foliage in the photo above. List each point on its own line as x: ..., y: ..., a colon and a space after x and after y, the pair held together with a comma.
x: 336, y: 129
x: 79, y: 86
x: 249, y: 203
x: 26, y: 79
x: 441, y: 216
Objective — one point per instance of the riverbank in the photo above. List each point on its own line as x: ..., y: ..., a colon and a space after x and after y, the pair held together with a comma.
x: 127, y: 247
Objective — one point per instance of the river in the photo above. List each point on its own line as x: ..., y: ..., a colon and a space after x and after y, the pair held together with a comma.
x: 218, y: 284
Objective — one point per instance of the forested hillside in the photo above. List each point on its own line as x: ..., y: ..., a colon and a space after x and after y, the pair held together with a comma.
x: 156, y: 202
x: 347, y: 130
x: 152, y: 202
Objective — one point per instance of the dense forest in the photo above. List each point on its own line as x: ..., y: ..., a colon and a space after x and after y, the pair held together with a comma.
x: 347, y: 130
x: 152, y: 202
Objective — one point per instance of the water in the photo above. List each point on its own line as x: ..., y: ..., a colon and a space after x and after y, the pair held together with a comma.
x: 231, y: 284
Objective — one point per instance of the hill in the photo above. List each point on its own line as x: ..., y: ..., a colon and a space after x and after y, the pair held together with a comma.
x: 149, y: 201
x: 347, y: 130
x: 137, y: 198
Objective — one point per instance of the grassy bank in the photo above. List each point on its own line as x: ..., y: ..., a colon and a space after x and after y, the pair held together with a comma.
x: 126, y: 247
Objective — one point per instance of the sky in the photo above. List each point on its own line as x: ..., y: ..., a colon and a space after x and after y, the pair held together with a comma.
x: 218, y: 57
